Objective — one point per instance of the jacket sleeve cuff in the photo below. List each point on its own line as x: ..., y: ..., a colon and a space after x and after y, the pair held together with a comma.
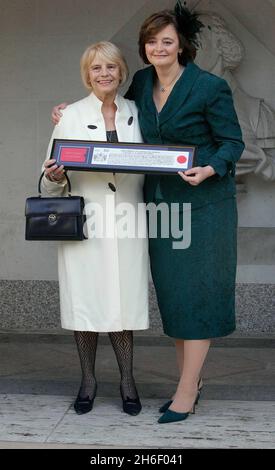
x: 220, y: 166
x: 53, y: 188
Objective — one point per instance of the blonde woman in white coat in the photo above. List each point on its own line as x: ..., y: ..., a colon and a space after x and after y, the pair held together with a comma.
x: 103, y: 280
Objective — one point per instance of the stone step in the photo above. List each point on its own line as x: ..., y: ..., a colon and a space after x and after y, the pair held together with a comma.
x: 236, y: 368
x: 147, y: 390
x: 144, y: 338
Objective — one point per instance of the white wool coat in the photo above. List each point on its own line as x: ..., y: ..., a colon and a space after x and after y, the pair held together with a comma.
x: 103, y: 281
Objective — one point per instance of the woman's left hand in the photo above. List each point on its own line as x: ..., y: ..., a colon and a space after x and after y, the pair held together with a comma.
x: 196, y: 175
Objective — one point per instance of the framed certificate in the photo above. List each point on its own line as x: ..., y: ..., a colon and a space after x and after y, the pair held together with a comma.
x: 121, y: 157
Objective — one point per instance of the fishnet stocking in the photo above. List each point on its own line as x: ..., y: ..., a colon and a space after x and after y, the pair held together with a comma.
x: 86, y: 342
x: 122, y: 342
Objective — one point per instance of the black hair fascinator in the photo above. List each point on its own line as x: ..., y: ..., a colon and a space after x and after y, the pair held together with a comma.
x: 188, y: 22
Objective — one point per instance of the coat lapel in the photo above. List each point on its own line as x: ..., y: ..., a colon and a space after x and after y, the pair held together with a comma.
x: 180, y: 92
x: 178, y: 95
x: 125, y: 125
x: 92, y: 119
x: 94, y: 125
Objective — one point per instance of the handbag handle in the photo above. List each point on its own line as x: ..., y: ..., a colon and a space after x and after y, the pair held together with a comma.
x: 68, y: 181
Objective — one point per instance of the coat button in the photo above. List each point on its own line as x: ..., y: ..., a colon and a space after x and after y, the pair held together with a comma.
x: 92, y: 127
x: 130, y: 121
x: 112, y: 187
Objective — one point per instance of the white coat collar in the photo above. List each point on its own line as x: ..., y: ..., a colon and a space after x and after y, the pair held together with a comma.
x: 97, y: 103
x: 93, y: 121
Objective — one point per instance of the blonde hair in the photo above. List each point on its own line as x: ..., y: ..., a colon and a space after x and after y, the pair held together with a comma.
x: 106, y: 50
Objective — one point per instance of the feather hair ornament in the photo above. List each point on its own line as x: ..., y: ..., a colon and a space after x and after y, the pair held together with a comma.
x: 188, y: 22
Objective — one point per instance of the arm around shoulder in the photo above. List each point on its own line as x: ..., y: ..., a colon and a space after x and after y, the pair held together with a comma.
x: 136, y: 85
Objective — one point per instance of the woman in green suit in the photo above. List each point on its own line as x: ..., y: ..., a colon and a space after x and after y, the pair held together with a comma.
x: 181, y: 104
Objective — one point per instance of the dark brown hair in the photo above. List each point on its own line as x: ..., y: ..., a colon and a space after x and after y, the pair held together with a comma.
x: 153, y: 25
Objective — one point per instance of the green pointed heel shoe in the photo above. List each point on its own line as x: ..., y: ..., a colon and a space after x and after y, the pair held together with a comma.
x: 172, y: 416
x: 200, y: 387
x: 166, y: 405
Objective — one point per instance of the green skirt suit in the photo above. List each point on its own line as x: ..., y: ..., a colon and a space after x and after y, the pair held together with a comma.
x: 195, y: 286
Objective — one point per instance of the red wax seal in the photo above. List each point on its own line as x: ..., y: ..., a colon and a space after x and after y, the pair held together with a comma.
x: 181, y: 159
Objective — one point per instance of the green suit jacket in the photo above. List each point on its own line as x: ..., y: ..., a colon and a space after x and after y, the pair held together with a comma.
x: 199, y: 111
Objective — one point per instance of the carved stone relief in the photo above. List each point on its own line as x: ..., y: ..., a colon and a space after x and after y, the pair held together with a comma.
x: 220, y: 53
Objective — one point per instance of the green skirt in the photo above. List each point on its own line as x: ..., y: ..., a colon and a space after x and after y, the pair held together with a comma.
x: 195, y: 286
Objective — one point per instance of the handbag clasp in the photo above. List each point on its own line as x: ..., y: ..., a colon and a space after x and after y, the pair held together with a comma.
x: 52, y: 218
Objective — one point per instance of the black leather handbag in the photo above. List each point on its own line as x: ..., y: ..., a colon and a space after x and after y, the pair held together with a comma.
x: 55, y: 218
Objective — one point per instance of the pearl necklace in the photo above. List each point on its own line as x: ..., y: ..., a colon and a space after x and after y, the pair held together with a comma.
x: 163, y: 89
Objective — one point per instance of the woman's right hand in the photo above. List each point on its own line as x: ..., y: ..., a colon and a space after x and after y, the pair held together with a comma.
x: 56, y: 112
x: 54, y: 172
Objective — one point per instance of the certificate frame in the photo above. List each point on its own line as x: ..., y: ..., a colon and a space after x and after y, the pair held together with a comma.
x: 91, y: 155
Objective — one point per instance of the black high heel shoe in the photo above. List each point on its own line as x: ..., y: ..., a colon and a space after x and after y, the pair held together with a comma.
x: 84, y: 405
x: 131, y: 406
x: 166, y: 405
